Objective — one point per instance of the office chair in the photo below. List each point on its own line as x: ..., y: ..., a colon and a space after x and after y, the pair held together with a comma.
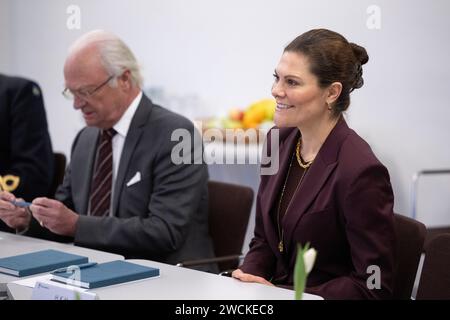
x: 410, y: 239
x: 435, y: 278
x: 433, y: 232
x: 58, y: 176
x: 229, y: 211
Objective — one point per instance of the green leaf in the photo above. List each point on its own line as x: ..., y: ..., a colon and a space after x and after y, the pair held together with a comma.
x: 300, y: 272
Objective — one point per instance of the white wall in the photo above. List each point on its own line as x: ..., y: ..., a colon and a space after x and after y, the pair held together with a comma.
x: 4, y: 36
x: 224, y: 53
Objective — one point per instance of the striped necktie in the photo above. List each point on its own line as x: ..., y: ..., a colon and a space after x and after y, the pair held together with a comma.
x: 100, y: 199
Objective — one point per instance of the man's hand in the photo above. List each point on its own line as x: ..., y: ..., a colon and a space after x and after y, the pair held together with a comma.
x: 14, y: 217
x: 246, y: 277
x: 55, y: 216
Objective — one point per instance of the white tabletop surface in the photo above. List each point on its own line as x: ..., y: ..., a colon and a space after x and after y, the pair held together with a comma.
x: 176, y: 283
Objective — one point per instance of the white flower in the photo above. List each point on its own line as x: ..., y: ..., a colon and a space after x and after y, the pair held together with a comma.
x: 304, y: 263
x: 309, y: 257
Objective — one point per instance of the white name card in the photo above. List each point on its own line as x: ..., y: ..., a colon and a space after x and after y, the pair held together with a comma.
x: 46, y: 291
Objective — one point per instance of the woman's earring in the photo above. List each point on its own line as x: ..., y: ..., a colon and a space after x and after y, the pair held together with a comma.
x: 328, y: 105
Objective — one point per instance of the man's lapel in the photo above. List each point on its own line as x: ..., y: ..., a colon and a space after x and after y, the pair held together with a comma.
x: 134, y: 134
x: 82, y: 170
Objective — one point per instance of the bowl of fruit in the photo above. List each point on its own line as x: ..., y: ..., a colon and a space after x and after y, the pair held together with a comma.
x: 257, y: 117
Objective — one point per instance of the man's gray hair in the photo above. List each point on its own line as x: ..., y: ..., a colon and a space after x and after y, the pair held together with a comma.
x: 115, y: 55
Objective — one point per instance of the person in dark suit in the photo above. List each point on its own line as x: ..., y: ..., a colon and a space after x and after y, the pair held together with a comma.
x: 26, y: 156
x: 155, y: 209
x: 330, y: 190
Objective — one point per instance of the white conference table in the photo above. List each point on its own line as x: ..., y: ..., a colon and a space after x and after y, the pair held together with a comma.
x: 177, y: 283
x: 12, y: 244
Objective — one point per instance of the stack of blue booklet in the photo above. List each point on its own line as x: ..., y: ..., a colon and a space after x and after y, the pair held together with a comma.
x: 105, y: 274
x: 39, y: 262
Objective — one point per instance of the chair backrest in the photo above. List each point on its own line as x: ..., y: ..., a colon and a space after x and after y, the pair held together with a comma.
x: 435, y: 278
x: 410, y: 239
x: 229, y: 211
x: 58, y: 176
x: 433, y: 232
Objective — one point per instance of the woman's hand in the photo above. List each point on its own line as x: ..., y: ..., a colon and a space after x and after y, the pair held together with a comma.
x: 246, y: 277
x: 14, y: 217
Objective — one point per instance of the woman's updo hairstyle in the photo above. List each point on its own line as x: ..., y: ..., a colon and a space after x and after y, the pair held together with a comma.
x: 332, y: 59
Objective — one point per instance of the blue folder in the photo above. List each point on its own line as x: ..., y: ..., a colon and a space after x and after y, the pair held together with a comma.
x: 106, y: 274
x: 38, y: 262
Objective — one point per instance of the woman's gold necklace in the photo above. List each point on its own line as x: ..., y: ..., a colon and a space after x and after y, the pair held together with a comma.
x: 298, y: 148
x: 305, y: 167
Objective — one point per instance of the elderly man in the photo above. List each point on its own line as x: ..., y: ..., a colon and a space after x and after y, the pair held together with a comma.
x: 121, y: 192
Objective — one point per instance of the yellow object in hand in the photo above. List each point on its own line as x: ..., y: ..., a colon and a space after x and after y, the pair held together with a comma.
x: 9, y: 182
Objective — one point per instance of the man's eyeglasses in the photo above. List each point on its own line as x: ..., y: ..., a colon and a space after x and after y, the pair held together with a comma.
x: 83, y: 93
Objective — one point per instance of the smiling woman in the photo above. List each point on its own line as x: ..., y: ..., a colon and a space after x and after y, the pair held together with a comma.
x: 307, y: 79
x: 300, y: 100
x: 330, y: 190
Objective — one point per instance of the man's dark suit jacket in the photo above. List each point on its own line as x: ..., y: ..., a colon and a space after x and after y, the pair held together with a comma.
x: 25, y: 147
x: 344, y: 208
x: 164, y: 216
